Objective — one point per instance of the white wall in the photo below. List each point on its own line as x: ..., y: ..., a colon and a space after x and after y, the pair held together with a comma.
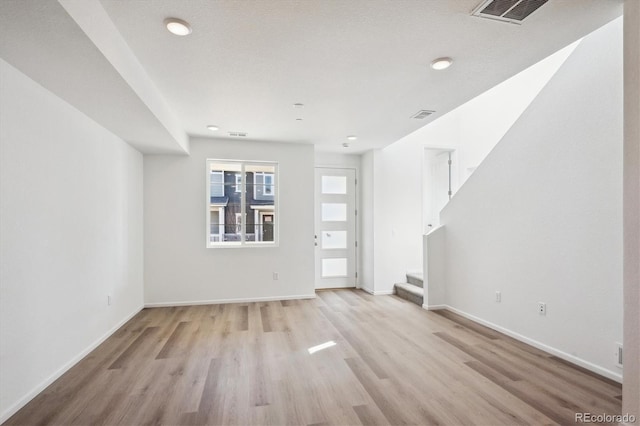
x: 434, y: 270
x: 70, y: 234
x: 482, y: 122
x: 367, y: 239
x: 472, y: 130
x: 541, y: 219
x: 398, y: 215
x: 178, y: 266
x: 332, y: 159
x: 631, y: 385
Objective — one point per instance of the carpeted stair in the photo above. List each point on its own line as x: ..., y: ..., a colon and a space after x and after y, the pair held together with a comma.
x: 412, y: 290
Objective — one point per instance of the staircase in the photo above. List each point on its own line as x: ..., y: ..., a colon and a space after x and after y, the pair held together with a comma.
x: 412, y: 290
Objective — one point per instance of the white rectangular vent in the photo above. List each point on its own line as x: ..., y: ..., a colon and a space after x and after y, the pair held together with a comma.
x: 619, y: 355
x: 238, y: 134
x: 514, y: 11
x: 421, y: 115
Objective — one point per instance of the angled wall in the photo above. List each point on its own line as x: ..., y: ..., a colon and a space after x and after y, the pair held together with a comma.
x: 472, y: 130
x: 70, y: 235
x: 541, y: 219
x: 631, y: 385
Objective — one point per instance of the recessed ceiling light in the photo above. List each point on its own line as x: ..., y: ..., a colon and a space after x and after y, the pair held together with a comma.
x: 213, y: 128
x: 352, y: 137
x: 345, y: 145
x: 298, y: 105
x: 441, y: 63
x: 298, y: 119
x: 178, y: 26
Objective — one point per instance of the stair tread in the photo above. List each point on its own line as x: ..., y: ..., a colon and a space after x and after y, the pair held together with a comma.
x: 414, y: 289
x: 416, y: 275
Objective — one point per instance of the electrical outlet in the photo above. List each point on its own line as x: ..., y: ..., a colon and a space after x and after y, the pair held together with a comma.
x: 618, y: 355
x: 498, y: 296
x: 275, y: 276
x: 542, y: 308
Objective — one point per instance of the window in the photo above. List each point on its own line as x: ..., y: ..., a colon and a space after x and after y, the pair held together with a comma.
x: 216, y: 182
x: 238, y: 182
x: 241, y: 203
x: 263, y: 186
x: 268, y: 184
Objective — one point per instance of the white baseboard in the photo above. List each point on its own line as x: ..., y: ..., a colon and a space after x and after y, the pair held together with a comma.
x: 222, y: 301
x: 377, y: 293
x: 55, y: 376
x: 434, y: 307
x: 551, y: 350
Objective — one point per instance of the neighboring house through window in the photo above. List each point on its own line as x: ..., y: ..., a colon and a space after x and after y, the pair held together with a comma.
x: 241, y: 218
x: 263, y: 186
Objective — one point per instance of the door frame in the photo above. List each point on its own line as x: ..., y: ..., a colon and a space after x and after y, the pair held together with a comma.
x: 455, y: 178
x: 356, y: 170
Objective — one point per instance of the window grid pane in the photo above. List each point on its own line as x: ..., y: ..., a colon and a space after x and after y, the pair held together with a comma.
x: 334, y: 184
x: 332, y: 268
x: 238, y: 217
x: 334, y: 212
x: 334, y: 240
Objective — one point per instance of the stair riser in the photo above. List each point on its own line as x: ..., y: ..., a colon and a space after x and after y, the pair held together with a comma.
x: 415, y: 281
x: 409, y: 296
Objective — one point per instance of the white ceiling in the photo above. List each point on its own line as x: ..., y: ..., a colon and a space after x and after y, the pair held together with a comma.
x: 360, y: 66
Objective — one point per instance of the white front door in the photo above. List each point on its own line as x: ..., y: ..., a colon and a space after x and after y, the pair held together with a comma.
x: 335, y: 236
x: 437, y: 181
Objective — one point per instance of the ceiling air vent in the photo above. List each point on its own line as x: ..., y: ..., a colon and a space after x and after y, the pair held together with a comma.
x: 238, y: 134
x: 513, y: 11
x: 421, y: 115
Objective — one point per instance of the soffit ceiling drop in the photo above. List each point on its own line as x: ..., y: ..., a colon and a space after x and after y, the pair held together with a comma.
x: 359, y: 66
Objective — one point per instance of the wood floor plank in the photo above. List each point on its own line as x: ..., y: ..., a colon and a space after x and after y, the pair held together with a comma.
x: 211, y: 396
x: 172, y: 342
x: 356, y: 342
x: 348, y: 297
x: 368, y: 416
x: 266, y: 319
x: 145, y: 336
x: 389, y: 410
x: 512, y: 375
x: 384, y: 361
x: 243, y: 323
x: 484, y: 331
x: 557, y: 409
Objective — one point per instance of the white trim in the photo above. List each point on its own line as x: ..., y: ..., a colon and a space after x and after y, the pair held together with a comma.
x: 377, y: 293
x: 434, y: 307
x: 223, y: 301
x: 551, y: 350
x: 66, y: 367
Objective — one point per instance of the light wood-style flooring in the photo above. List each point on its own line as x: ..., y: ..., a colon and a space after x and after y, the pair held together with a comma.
x: 246, y: 364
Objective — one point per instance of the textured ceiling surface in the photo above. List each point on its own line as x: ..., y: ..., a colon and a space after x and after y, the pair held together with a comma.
x: 360, y: 67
